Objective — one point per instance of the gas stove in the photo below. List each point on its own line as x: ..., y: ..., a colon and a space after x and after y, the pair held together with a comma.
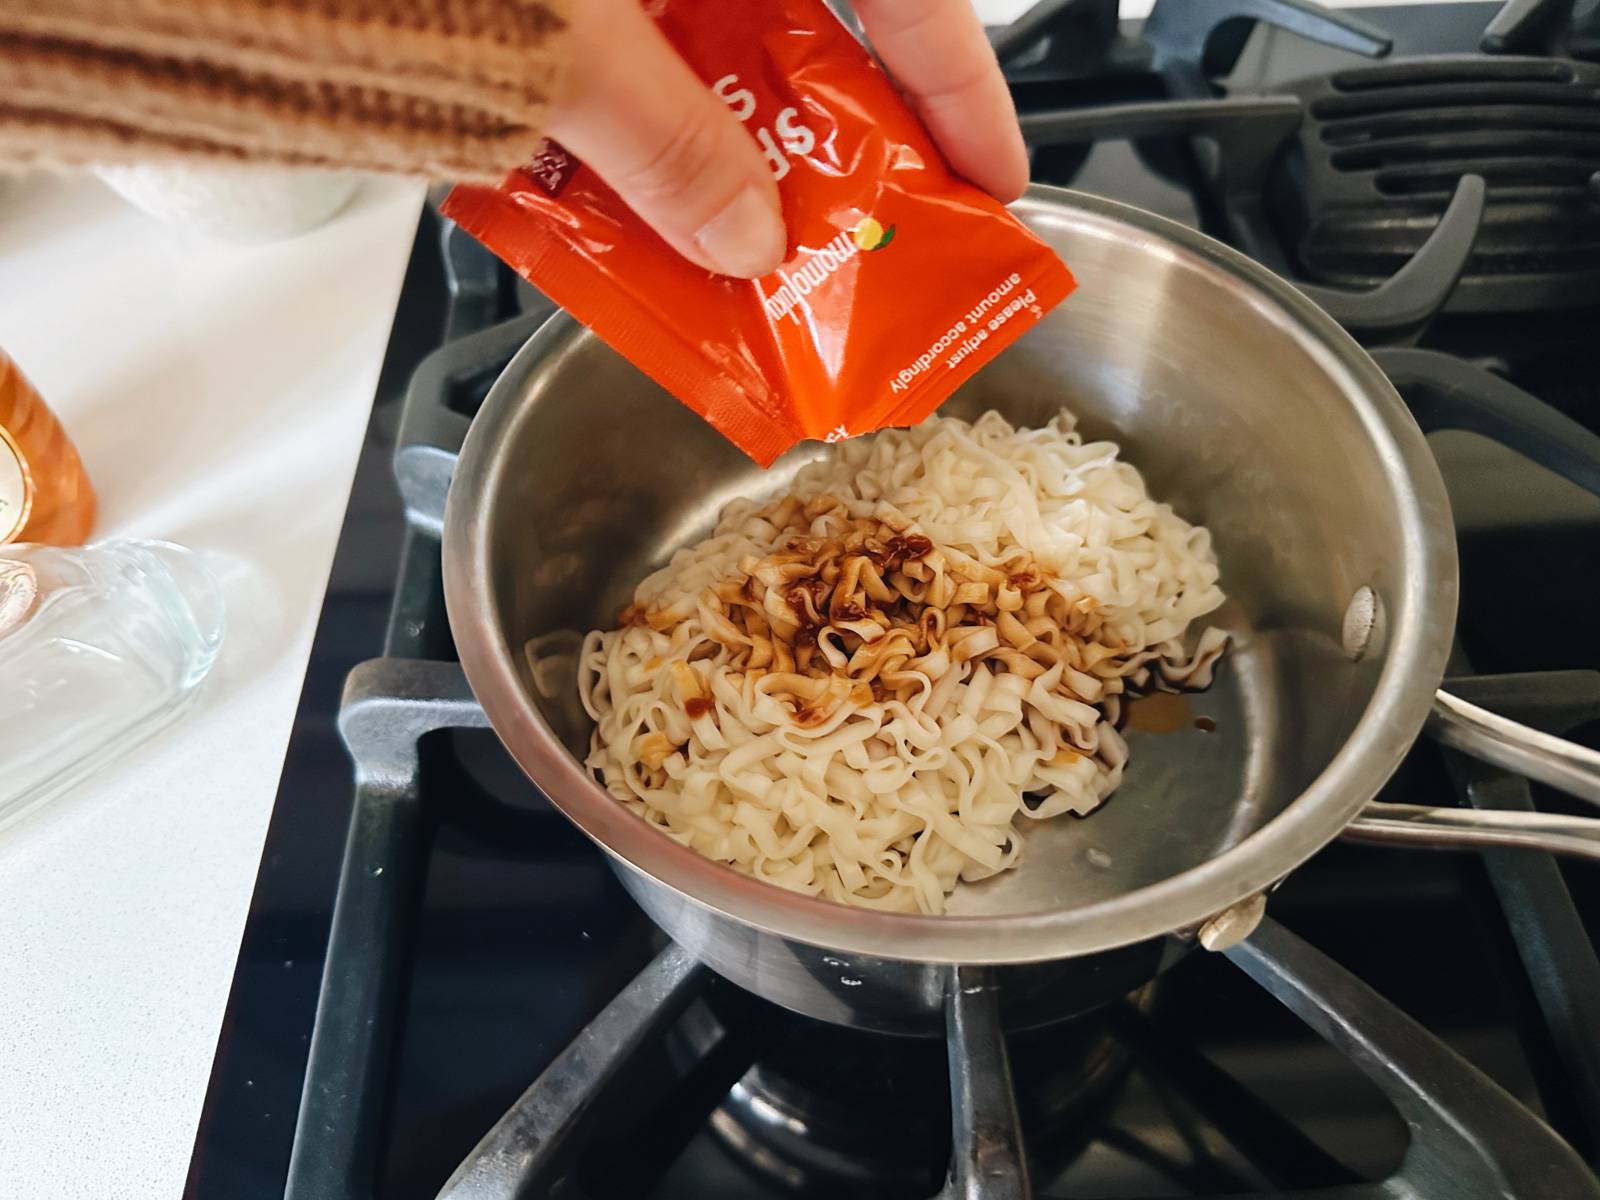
x: 429, y: 938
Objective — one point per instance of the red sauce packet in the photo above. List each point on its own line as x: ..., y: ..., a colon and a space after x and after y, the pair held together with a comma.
x: 900, y: 282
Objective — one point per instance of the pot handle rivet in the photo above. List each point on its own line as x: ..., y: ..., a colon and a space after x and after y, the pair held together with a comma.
x: 1232, y: 925
x: 1362, y: 619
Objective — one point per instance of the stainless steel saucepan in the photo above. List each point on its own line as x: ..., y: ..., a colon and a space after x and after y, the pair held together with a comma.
x: 1248, y: 409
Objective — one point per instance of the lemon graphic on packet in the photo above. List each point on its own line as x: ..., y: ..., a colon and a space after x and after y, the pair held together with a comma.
x: 869, y: 234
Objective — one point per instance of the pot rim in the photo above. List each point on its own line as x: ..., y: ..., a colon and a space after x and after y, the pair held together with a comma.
x: 1420, y: 610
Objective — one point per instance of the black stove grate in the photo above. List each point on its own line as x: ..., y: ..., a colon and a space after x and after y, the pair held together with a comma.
x: 1341, y: 179
x: 392, y: 704
x: 1567, y: 27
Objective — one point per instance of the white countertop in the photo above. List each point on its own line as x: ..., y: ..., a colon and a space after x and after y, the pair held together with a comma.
x: 218, y: 395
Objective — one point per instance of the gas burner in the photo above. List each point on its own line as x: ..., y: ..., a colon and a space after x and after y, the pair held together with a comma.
x: 1364, y: 181
x: 1246, y: 137
x: 826, y: 1109
x: 848, y: 1114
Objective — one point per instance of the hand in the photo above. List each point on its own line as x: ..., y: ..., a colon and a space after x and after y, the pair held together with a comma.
x: 634, y: 112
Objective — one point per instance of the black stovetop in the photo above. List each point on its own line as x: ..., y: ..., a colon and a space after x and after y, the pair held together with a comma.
x: 1213, y: 1088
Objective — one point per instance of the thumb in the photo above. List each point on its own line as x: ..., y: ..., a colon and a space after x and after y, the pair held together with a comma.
x: 635, y: 113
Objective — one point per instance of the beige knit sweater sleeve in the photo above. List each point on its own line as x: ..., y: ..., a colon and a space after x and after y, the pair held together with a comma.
x: 453, y: 89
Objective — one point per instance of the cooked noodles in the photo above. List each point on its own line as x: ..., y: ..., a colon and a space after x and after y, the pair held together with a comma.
x: 857, y: 691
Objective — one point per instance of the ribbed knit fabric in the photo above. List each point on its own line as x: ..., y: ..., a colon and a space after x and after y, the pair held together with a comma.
x: 452, y: 89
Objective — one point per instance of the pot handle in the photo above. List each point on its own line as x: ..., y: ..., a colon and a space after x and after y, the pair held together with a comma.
x: 1476, y: 829
x: 1513, y: 746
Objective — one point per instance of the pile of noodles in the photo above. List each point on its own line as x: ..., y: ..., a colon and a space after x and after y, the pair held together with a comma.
x: 855, y: 692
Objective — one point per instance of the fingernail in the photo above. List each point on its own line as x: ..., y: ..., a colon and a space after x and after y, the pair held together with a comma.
x: 746, y: 238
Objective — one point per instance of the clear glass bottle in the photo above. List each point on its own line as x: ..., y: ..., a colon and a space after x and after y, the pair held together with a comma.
x: 45, y: 494
x: 99, y: 647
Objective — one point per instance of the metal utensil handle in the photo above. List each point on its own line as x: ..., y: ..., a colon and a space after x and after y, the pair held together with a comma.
x: 1540, y: 756
x: 1476, y: 829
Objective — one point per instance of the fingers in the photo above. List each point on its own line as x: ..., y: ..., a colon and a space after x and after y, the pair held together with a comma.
x: 937, y: 52
x: 634, y: 112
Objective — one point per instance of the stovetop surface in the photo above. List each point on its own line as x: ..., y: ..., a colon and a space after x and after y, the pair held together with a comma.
x: 524, y: 933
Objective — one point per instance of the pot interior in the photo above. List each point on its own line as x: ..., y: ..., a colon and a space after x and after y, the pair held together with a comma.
x: 1237, y: 413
